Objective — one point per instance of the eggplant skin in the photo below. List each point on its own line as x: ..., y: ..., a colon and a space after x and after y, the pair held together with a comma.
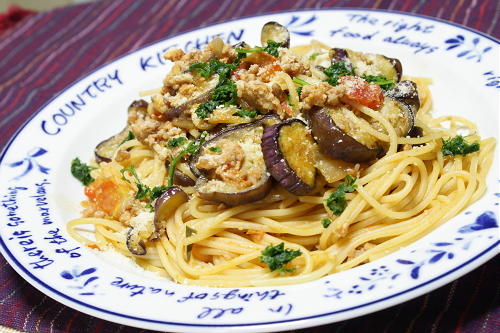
x: 178, y: 110
x: 236, y: 198
x: 165, y: 206
x: 336, y: 143
x: 277, y: 163
x: 406, y: 92
x: 134, y: 243
x: 243, y: 196
x: 275, y: 32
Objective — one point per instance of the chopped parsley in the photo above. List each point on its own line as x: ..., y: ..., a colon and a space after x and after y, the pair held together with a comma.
x: 192, y: 148
x: 246, y: 113
x: 176, y: 142
x: 271, y: 48
x: 144, y: 192
x: 335, y: 71
x: 81, y: 171
x: 276, y: 257
x: 130, y: 136
x: 314, y: 55
x: 458, y: 146
x: 225, y: 93
x: 215, y: 149
x: 381, y: 80
x: 326, y: 222
x: 207, y: 69
x: 336, y: 201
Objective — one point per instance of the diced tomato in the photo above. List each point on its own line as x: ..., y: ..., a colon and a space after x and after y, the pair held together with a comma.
x: 362, y: 92
x: 105, y: 194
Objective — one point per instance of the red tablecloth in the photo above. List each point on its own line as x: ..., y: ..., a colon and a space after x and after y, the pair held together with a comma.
x: 48, y: 51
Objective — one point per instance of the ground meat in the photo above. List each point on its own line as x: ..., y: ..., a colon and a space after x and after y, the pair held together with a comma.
x: 292, y: 64
x: 258, y: 96
x: 321, y: 94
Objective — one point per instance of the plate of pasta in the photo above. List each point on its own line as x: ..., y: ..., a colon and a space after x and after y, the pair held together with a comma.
x: 228, y: 178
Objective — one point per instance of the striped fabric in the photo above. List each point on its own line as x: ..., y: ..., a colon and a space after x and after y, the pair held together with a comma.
x: 48, y: 51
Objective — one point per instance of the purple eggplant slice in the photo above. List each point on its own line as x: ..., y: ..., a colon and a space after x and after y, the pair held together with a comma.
x: 231, y: 167
x: 179, y: 110
x: 287, y: 149
x: 334, y: 141
x: 165, y: 206
x: 275, y: 32
x: 368, y: 63
x: 105, y: 150
x: 405, y: 92
x: 134, y: 242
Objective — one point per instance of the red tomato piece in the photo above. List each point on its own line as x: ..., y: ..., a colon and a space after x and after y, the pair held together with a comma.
x: 105, y: 194
x: 360, y: 91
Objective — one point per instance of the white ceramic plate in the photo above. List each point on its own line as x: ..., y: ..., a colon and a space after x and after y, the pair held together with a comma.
x: 39, y: 195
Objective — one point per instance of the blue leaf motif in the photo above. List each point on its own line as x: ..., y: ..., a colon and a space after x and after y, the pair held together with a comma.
x: 475, y: 41
x: 452, y: 47
x: 462, y: 54
x: 437, y: 257
x: 450, y: 255
x: 415, y: 272
x: 486, y: 220
x: 66, y: 275
x: 486, y: 49
x: 452, y: 41
x: 364, y: 279
x: 87, y: 294
x: 461, y: 37
x: 90, y: 280
x: 37, y: 152
x: 88, y: 271
x: 15, y: 164
x: 294, y: 19
x: 303, y: 33
x: 405, y: 262
x: 310, y: 20
x: 442, y: 244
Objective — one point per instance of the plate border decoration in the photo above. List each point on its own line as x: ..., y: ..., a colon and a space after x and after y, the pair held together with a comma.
x: 88, y: 281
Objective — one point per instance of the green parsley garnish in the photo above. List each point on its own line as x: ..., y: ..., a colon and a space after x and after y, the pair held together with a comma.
x: 335, y: 71
x: 207, y: 69
x: 381, y: 80
x: 215, y: 149
x: 246, y: 113
x: 130, y: 136
x: 336, y: 201
x: 192, y: 148
x: 314, y: 55
x: 81, y: 171
x: 271, y: 48
x: 326, y: 222
x: 144, y: 192
x: 276, y: 257
x: 458, y: 146
x: 176, y: 142
x: 225, y: 93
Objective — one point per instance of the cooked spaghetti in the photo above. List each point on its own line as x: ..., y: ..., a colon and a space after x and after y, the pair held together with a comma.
x: 274, y: 165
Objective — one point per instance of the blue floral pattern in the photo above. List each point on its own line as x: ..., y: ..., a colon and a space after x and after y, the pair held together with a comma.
x: 29, y: 162
x: 473, y: 51
x: 82, y: 280
x: 295, y: 25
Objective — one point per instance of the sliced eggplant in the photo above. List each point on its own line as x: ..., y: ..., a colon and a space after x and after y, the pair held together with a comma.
x: 405, y: 92
x: 275, y: 32
x: 231, y: 167
x: 335, y: 142
x: 287, y: 149
x: 105, y: 150
x: 135, y: 244
x: 165, y: 206
x: 368, y: 63
x: 179, y: 110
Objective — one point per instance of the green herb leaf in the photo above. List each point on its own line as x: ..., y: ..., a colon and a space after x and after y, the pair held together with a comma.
x: 129, y: 137
x: 176, y: 142
x: 271, y: 48
x: 225, y: 93
x: 144, y: 192
x: 276, y: 257
x: 299, y: 91
x: 192, y: 148
x: 335, y: 71
x: 246, y: 113
x: 336, y: 201
x: 215, y: 149
x: 81, y: 171
x: 207, y: 69
x: 314, y: 55
x: 381, y: 80
x: 458, y: 146
x: 326, y: 222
